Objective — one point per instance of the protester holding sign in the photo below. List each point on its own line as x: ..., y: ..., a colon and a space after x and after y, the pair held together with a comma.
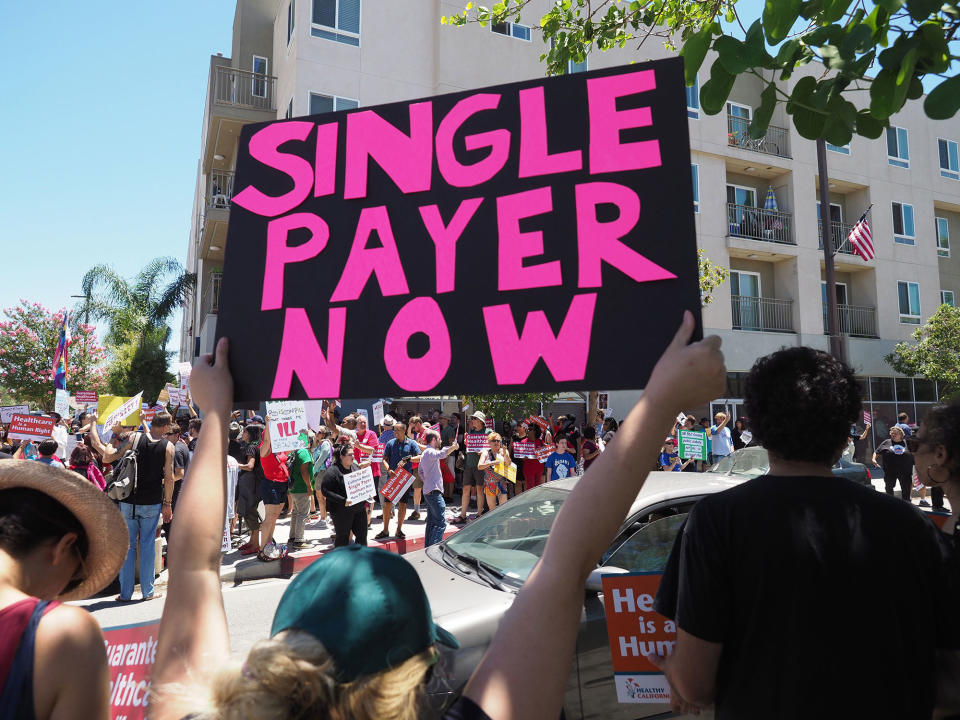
x: 431, y: 458
x: 347, y: 517
x: 273, y: 492
x: 495, y: 457
x: 60, y: 539
x: 400, y: 452
x: 532, y: 466
x: 473, y: 480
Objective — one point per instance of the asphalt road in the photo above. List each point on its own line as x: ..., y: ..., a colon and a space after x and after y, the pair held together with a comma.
x: 249, y: 605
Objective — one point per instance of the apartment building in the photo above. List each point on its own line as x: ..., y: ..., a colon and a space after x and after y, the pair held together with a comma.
x: 756, y: 201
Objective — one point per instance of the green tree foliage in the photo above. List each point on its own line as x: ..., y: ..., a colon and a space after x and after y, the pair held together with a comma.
x: 509, y: 406
x: 138, y: 311
x: 28, y: 340
x: 935, y: 352
x: 903, y: 42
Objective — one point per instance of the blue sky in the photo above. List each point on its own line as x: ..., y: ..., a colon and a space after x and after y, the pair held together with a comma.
x: 100, y: 134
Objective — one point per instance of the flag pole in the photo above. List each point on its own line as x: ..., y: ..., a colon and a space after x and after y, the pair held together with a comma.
x: 826, y: 236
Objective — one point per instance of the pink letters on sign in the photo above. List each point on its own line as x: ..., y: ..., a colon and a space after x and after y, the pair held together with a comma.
x: 325, y: 167
x: 421, y: 314
x: 445, y: 238
x: 455, y: 172
x: 301, y: 354
x: 279, y: 253
x: 363, y: 261
x: 599, y: 242
x: 607, y: 153
x: 264, y: 147
x: 407, y: 159
x: 534, y: 157
x: 514, y: 245
x: 565, y: 353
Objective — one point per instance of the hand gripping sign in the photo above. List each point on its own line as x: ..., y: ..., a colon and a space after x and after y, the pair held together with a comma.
x: 546, y: 212
x: 360, y: 485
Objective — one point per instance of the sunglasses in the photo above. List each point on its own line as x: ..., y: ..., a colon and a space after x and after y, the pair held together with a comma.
x: 79, y: 576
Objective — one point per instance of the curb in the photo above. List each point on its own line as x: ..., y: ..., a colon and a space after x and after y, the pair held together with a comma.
x: 254, y: 569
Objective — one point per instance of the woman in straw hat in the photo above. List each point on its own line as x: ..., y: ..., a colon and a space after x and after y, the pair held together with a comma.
x: 353, y: 636
x: 60, y: 539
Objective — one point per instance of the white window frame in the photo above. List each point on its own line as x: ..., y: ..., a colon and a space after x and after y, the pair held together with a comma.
x: 291, y: 20
x: 335, y: 31
x: 837, y: 285
x: 693, y: 112
x: 909, y: 319
x: 897, y: 160
x: 335, y: 98
x: 261, y: 77
x: 754, y: 274
x: 750, y: 189
x: 904, y: 239
x: 942, y: 250
x: 838, y: 206
x: 509, y: 33
x: 731, y: 104
x: 947, y: 172
x: 944, y: 295
x: 840, y: 149
x: 696, y: 187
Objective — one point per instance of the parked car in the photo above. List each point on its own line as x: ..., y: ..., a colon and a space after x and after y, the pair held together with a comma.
x: 753, y: 461
x: 472, y: 578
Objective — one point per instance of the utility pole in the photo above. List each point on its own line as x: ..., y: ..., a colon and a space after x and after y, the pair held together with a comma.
x: 826, y: 235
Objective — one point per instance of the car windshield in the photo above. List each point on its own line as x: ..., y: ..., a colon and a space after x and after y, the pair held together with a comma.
x: 511, y: 538
x: 748, y: 462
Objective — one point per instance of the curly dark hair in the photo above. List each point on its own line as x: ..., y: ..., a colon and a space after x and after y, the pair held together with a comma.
x: 800, y: 388
x: 941, y: 426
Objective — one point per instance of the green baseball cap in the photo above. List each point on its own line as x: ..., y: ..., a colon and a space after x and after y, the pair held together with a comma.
x: 353, y: 598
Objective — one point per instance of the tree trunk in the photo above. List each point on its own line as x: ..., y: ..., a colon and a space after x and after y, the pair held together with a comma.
x: 593, y: 401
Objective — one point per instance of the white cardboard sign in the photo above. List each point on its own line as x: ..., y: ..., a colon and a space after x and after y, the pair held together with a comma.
x: 378, y: 413
x: 7, y: 412
x: 61, y: 404
x: 288, y: 418
x: 360, y: 485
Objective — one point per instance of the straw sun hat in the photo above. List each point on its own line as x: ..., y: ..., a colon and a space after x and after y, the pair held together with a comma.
x: 107, y: 536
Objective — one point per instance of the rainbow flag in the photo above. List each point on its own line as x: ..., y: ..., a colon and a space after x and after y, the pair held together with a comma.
x: 60, y: 357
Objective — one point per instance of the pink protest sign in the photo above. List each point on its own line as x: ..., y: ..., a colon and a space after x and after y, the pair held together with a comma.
x: 131, y: 652
x: 544, y: 212
x: 85, y: 397
x: 476, y: 442
x: 524, y: 449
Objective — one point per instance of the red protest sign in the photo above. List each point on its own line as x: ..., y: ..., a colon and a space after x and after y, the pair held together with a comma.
x: 476, y: 442
x: 86, y: 397
x: 524, y: 449
x: 131, y: 652
x: 545, y: 451
x: 538, y: 252
x: 539, y: 421
x: 377, y: 455
x: 636, y: 631
x: 396, y: 486
x: 489, y: 422
x: 31, y: 427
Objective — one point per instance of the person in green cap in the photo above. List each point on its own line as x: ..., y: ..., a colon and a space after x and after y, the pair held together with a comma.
x: 353, y: 636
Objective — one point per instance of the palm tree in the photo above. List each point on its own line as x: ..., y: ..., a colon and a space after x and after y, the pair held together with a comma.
x: 138, y: 311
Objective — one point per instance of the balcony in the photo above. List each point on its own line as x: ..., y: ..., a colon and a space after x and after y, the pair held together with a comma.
x: 244, y: 89
x: 776, y: 141
x: 840, y: 232
x: 220, y: 189
x: 210, y: 298
x: 772, y: 226
x: 762, y: 314
x: 854, y: 321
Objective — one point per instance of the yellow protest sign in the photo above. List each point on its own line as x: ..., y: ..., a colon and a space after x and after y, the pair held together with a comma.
x: 106, y: 404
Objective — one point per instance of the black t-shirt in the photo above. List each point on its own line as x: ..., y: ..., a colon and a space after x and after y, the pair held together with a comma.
x: 465, y: 709
x: 151, y: 457
x: 813, y: 585
x: 333, y: 488
x: 236, y: 450
x: 894, y: 457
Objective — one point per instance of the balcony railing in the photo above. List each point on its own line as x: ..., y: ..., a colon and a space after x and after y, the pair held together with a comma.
x: 220, y: 189
x: 854, y: 320
x: 759, y: 224
x: 243, y: 88
x: 210, y: 301
x: 839, y: 231
x: 776, y: 141
x: 766, y: 314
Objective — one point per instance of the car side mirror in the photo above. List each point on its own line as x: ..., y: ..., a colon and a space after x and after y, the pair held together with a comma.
x: 595, y: 578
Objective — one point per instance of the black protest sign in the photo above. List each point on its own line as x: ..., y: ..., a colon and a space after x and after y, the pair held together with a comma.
x: 533, y: 236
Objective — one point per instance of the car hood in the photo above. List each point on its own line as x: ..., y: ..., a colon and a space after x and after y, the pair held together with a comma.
x: 469, y: 609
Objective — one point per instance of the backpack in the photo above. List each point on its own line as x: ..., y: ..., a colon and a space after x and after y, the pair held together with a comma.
x: 122, y: 478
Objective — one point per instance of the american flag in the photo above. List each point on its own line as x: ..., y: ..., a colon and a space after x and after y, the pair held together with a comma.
x: 861, y: 239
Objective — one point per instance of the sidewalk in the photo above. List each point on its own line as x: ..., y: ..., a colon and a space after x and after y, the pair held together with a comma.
x: 235, y: 567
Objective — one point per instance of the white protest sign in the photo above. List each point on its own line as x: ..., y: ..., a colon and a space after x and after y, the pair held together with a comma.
x: 130, y: 406
x: 61, y: 404
x: 378, y: 413
x: 363, y: 412
x: 314, y: 413
x: 8, y: 411
x: 288, y: 418
x: 185, y: 368
x: 174, y: 394
x: 360, y: 485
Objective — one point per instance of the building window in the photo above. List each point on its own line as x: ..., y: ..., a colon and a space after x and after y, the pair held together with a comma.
x: 842, y: 149
x: 949, y: 166
x: 336, y: 20
x: 259, y: 80
x: 574, y: 67
x: 291, y: 18
x: 946, y: 298
x: 898, y: 149
x: 740, y: 111
x: 289, y: 113
x: 903, y: 231
x: 330, y: 103
x: 909, y: 296
x: 696, y: 186
x: 693, y: 100
x: 512, y: 29
x: 943, y: 237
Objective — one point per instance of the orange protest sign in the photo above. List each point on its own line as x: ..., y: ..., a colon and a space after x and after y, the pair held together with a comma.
x: 636, y: 631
